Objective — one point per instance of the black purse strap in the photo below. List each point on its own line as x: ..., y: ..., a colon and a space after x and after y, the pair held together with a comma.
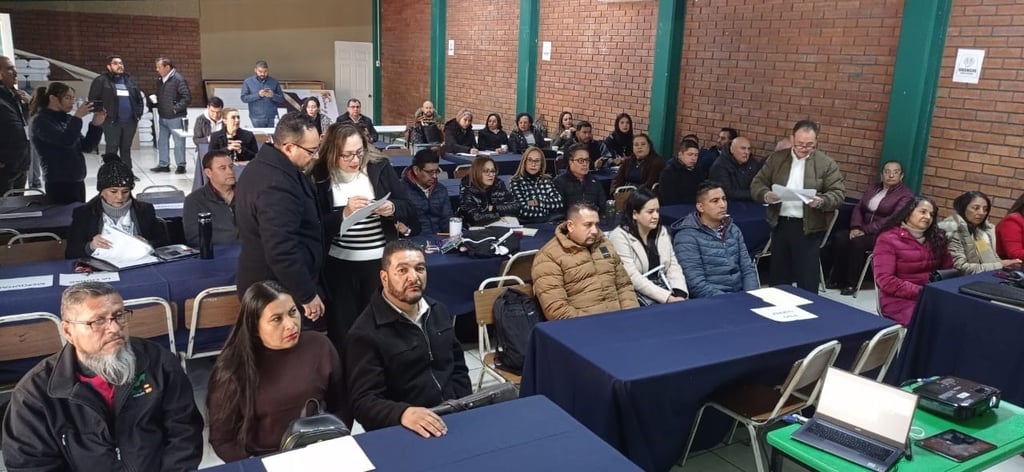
x: 317, y: 408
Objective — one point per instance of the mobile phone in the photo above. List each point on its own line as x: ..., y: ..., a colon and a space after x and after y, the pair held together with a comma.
x: 96, y: 106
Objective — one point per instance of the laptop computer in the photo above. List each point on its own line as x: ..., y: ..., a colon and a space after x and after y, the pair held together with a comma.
x: 860, y: 420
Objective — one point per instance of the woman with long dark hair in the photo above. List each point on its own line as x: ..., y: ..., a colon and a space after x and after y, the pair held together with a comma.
x: 483, y: 197
x: 620, y: 141
x: 906, y: 253
x: 492, y: 137
x: 311, y: 107
x: 1010, y: 232
x: 57, y: 139
x: 972, y: 240
x: 348, y: 178
x: 643, y: 167
x: 643, y: 243
x: 266, y: 373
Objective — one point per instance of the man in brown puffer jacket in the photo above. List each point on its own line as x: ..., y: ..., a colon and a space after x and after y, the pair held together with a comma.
x: 578, y: 273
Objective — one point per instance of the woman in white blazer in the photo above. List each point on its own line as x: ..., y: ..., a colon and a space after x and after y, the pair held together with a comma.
x: 643, y: 244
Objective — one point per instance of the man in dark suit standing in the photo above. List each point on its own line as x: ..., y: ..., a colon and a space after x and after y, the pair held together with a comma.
x: 277, y: 215
x: 122, y: 100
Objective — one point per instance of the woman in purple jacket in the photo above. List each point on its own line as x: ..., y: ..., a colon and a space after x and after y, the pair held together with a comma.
x: 907, y: 251
x: 873, y: 212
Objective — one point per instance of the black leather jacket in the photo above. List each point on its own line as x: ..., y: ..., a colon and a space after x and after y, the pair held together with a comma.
x: 481, y: 207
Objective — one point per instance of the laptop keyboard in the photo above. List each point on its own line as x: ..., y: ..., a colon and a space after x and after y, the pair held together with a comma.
x: 850, y: 441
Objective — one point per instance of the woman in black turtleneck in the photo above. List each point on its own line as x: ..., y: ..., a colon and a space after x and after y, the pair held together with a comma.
x: 114, y: 207
x: 539, y: 200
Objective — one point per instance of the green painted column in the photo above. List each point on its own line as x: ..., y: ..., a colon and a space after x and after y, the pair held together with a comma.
x: 438, y: 51
x: 526, y: 79
x: 915, y: 82
x: 668, y: 51
x: 376, y: 63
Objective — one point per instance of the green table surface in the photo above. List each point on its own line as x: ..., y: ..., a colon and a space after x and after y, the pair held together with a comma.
x: 1003, y: 427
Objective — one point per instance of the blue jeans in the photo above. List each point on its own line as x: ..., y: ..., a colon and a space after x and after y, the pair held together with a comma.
x: 163, y: 143
x: 262, y: 122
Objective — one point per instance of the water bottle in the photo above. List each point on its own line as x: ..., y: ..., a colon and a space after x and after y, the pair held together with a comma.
x: 609, y: 211
x: 206, y: 235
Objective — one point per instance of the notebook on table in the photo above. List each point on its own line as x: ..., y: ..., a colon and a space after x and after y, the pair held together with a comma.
x: 860, y: 420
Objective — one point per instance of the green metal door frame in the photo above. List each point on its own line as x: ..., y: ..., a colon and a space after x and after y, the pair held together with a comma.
x: 376, y: 62
x: 438, y: 51
x: 915, y: 83
x: 668, y: 49
x: 529, y: 29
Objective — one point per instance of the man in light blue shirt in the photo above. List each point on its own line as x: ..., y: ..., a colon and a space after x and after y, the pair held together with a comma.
x: 263, y: 94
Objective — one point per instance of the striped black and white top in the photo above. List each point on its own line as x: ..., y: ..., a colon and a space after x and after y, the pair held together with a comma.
x: 363, y: 241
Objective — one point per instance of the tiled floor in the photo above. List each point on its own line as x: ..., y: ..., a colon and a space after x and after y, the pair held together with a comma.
x: 735, y: 457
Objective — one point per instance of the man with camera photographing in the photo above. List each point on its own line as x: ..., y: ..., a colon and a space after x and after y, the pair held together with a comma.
x: 116, y: 92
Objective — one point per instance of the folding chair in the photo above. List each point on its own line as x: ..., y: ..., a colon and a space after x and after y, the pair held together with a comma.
x: 760, y: 406
x: 483, y: 300
x: 152, y: 317
x: 765, y: 251
x: 19, y: 251
x: 19, y: 197
x: 828, y: 233
x: 27, y: 336
x: 519, y: 265
x: 863, y: 273
x: 879, y: 352
x: 214, y: 307
x: 6, y: 234
x: 621, y: 194
x: 160, y: 191
x: 461, y: 171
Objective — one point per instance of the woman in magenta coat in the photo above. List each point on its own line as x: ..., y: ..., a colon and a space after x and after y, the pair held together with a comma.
x: 905, y: 255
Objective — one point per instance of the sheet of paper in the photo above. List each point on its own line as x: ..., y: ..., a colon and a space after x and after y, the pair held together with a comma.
x: 21, y: 214
x: 527, y: 231
x: 336, y: 455
x: 125, y: 250
x: 67, y: 280
x: 507, y: 222
x: 169, y: 206
x: 784, y: 314
x: 776, y: 297
x: 794, y: 195
x: 362, y: 213
x: 22, y: 283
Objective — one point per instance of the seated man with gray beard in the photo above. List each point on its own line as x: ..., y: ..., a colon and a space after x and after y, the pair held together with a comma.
x: 105, y: 401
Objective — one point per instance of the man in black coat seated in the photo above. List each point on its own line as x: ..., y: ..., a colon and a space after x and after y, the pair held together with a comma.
x: 735, y: 170
x: 401, y: 355
x: 277, y: 215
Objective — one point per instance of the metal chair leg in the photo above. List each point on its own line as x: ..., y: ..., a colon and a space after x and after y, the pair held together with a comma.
x: 693, y: 434
x: 755, y: 446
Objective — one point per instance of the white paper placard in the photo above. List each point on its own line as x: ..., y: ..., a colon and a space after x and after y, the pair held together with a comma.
x: 67, y: 280
x: 545, y: 51
x: 776, y: 297
x: 337, y: 455
x: 967, y: 68
x: 451, y: 47
x: 784, y: 314
x: 169, y: 206
x: 22, y: 283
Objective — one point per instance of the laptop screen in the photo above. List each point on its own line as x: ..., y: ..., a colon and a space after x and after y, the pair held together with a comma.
x: 867, y: 407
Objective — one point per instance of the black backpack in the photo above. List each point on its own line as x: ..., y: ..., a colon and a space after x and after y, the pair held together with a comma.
x: 515, y: 313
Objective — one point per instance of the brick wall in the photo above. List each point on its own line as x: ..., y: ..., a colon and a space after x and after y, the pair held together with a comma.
x: 602, y: 57
x: 405, y: 59
x: 976, y: 133
x: 481, y: 76
x: 85, y: 39
x: 761, y: 66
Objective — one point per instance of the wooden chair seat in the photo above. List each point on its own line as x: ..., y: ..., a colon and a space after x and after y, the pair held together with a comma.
x: 489, y: 361
x: 757, y: 401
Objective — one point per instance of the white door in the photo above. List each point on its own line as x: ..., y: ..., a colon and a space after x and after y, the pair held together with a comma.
x: 353, y: 74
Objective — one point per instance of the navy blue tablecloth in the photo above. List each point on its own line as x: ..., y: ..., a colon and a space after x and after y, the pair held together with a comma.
x: 57, y: 218
x: 748, y: 216
x: 637, y: 378
x: 956, y: 334
x: 528, y: 434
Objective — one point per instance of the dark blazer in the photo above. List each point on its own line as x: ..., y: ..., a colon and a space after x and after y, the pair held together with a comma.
x: 679, y: 184
x: 650, y: 171
x: 219, y: 140
x: 173, y: 96
x: 489, y: 141
x: 14, y: 145
x: 279, y: 225
x: 363, y: 120
x: 734, y: 177
x: 103, y: 88
x: 87, y: 221
x: 517, y: 143
x: 58, y: 139
x: 384, y: 180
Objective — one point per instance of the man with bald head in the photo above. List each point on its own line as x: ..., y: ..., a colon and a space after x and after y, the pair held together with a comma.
x: 424, y: 129
x: 735, y: 170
